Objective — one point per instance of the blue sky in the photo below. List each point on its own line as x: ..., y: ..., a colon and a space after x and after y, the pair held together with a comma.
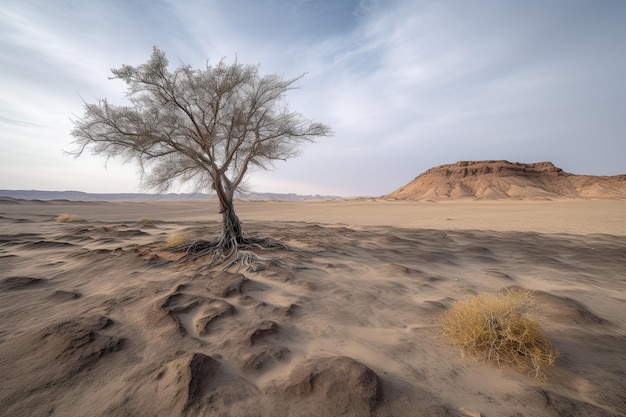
x: 405, y: 84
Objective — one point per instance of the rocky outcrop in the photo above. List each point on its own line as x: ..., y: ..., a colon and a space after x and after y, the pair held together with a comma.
x: 336, y: 385
x: 504, y: 179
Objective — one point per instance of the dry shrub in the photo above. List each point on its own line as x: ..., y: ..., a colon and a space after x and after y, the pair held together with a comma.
x: 65, y: 218
x: 497, y: 328
x: 176, y: 239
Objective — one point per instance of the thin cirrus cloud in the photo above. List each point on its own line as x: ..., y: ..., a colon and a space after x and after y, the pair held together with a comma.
x: 406, y: 85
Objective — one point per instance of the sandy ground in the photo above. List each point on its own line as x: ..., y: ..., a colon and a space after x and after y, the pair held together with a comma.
x: 97, y: 320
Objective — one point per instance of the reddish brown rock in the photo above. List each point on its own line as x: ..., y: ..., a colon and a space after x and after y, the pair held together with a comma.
x: 336, y: 385
x: 504, y: 180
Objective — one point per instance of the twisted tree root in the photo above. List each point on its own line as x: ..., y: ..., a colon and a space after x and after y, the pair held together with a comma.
x: 235, y: 252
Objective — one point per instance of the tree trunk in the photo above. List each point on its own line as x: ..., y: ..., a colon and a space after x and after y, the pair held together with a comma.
x: 232, y: 234
x: 231, y: 245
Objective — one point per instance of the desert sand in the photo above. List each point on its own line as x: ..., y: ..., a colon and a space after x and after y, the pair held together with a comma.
x: 97, y: 318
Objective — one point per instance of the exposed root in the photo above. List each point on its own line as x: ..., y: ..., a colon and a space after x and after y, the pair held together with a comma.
x: 234, y: 252
x: 247, y: 259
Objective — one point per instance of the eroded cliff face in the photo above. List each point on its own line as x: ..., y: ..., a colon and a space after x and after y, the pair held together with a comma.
x: 498, y: 168
x: 504, y: 179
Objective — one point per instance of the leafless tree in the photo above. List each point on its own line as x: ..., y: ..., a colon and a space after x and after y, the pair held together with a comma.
x: 209, y: 126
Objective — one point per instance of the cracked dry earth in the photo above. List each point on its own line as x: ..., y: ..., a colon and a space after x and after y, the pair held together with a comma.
x: 97, y: 320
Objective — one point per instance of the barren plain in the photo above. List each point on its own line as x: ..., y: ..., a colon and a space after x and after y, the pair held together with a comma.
x: 98, y: 319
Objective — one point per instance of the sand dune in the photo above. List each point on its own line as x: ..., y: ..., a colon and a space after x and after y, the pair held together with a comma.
x: 98, y: 320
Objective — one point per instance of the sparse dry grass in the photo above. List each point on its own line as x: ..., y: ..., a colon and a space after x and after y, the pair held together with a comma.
x: 176, y: 239
x: 496, y: 328
x: 65, y: 218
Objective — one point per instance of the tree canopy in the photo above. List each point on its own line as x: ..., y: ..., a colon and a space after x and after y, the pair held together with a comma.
x: 204, y: 126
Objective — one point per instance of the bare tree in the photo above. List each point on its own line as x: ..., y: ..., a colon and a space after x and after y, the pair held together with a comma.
x: 209, y: 126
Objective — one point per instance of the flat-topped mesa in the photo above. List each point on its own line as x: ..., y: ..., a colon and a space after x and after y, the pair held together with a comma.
x: 505, y: 180
x: 498, y: 168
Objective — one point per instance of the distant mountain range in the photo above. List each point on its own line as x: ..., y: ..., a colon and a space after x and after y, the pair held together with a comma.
x: 461, y: 180
x: 82, y: 196
x: 508, y: 180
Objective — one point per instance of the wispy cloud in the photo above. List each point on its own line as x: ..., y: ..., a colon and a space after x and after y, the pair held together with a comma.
x: 405, y: 84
